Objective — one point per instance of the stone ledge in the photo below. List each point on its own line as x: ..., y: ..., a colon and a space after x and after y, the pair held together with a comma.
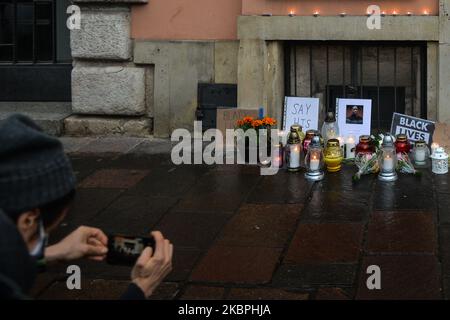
x: 352, y: 28
x: 108, y: 90
x: 82, y: 126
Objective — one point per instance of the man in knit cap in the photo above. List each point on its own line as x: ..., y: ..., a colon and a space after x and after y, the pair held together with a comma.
x: 37, y: 186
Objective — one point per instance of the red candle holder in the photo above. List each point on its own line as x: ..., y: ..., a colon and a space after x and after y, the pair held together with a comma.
x: 365, y: 146
x: 402, y: 144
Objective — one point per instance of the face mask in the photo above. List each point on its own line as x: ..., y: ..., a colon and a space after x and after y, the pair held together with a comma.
x: 39, y: 249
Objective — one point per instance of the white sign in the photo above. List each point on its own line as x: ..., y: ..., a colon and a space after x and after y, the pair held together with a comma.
x: 354, y: 117
x: 302, y: 111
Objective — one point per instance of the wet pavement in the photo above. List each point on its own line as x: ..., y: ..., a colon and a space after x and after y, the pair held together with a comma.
x: 239, y: 235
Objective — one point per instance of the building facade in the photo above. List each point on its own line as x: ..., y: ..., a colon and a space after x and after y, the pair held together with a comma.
x: 148, y: 67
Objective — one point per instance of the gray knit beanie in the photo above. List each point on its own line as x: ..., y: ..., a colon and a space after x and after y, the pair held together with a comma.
x: 34, y: 170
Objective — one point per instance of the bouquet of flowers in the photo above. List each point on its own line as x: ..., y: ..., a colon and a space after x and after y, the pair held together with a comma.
x: 405, y: 165
x: 367, y: 164
x: 250, y: 123
x: 377, y: 141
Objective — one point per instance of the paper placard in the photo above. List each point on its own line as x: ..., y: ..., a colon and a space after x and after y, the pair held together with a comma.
x: 354, y: 117
x: 302, y: 111
x: 228, y: 117
x: 415, y: 128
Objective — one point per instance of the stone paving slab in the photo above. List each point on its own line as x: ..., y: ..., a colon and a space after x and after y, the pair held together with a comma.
x: 404, y: 277
x: 239, y: 235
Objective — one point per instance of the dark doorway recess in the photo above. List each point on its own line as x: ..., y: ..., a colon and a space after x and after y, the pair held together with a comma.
x: 392, y: 74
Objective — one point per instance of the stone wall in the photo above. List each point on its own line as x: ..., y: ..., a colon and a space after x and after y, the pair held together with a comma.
x: 107, y: 87
x: 142, y: 88
x: 178, y: 67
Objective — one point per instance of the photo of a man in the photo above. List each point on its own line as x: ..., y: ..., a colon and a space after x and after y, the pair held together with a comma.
x: 355, y: 114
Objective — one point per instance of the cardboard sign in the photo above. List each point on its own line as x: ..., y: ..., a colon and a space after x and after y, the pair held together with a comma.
x: 227, y: 117
x: 354, y: 117
x: 415, y: 128
x: 442, y: 135
x: 302, y: 111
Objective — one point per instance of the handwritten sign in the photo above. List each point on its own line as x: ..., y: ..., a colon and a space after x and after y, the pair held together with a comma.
x: 302, y: 111
x: 415, y: 128
x: 227, y: 117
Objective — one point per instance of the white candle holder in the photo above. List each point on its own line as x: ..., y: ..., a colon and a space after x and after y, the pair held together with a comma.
x: 439, y: 161
x: 293, y: 151
x: 421, y: 153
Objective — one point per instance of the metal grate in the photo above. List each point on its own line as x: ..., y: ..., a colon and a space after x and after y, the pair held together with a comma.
x: 27, y: 31
x: 392, y: 74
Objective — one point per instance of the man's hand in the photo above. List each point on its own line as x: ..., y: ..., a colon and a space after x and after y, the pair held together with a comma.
x: 149, y: 270
x: 84, y: 242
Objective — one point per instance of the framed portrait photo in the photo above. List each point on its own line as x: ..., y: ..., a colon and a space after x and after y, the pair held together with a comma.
x: 354, y: 116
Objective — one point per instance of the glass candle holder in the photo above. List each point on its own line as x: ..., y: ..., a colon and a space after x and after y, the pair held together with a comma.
x: 308, y: 138
x: 365, y: 146
x: 388, y: 160
x: 278, y: 157
x: 421, y: 153
x: 330, y: 128
x: 314, y: 160
x: 439, y: 161
x: 350, y: 148
x: 293, y: 150
x: 434, y: 146
x: 402, y: 144
x: 333, y: 155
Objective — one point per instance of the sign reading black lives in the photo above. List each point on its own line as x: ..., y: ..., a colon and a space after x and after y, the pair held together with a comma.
x: 415, y: 128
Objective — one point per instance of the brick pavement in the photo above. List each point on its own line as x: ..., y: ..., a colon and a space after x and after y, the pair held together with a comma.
x: 239, y: 235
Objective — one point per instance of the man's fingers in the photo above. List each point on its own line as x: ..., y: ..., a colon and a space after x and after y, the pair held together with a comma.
x: 144, y: 257
x: 95, y: 242
x: 166, y: 251
x: 159, y: 246
x: 99, y: 235
x: 170, y: 252
x: 97, y: 258
x: 91, y: 250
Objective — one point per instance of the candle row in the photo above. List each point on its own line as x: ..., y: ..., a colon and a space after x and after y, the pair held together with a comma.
x: 292, y: 13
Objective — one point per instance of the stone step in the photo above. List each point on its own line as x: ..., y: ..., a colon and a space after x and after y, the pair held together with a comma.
x: 48, y: 115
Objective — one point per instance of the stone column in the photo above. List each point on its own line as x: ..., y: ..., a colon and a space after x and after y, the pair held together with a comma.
x: 108, y: 89
x: 444, y: 62
x: 261, y: 76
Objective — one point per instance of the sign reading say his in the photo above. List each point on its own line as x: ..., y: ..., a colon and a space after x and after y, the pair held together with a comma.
x: 302, y: 111
x: 415, y: 128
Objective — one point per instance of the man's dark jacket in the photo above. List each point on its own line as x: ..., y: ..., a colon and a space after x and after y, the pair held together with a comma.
x: 17, y: 267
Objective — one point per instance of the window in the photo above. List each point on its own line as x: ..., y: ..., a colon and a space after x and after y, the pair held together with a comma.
x: 28, y: 31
